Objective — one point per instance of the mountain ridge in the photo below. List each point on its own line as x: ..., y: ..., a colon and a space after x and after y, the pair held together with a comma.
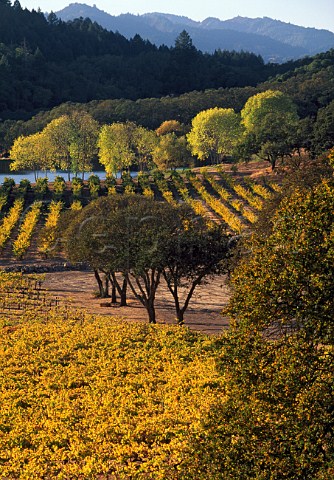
x: 274, y: 40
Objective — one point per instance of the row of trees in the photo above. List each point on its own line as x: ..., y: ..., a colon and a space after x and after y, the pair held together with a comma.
x: 267, y: 126
x: 72, y: 142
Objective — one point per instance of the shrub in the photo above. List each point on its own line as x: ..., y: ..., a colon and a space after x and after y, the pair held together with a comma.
x: 23, y: 188
x: 59, y: 186
x: 77, y: 185
x: 41, y: 187
x: 94, y: 185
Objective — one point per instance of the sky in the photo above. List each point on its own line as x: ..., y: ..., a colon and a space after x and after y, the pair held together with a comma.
x: 307, y: 13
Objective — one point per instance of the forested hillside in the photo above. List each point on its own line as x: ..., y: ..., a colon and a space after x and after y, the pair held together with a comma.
x: 308, y: 82
x: 44, y: 62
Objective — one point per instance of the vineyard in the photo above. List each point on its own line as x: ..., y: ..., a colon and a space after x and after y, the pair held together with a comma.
x: 98, y: 398
x: 29, y: 214
x: 23, y: 295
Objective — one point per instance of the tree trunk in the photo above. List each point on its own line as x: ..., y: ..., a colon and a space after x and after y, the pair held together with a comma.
x: 151, y: 314
x: 180, y: 317
x: 123, y: 293
x: 113, y: 294
x: 173, y: 288
x: 121, y: 290
x: 106, y: 286
x: 100, y: 283
x: 146, y: 293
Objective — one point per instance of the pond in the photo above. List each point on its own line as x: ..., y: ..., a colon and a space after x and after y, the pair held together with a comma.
x: 18, y: 176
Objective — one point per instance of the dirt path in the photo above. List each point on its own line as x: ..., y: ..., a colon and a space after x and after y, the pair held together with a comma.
x: 203, y: 314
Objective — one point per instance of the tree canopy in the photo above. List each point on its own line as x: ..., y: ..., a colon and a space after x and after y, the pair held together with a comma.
x: 215, y: 133
x: 286, y: 283
x: 271, y: 121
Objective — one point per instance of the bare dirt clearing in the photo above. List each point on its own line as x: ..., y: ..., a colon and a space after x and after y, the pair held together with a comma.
x: 204, y: 313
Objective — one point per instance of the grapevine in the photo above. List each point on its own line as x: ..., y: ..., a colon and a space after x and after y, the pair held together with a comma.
x: 48, y: 237
x: 22, y: 242
x: 10, y: 221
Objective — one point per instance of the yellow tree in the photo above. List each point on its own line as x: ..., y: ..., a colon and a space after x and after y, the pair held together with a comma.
x: 169, y: 126
x: 72, y: 141
x: 331, y: 157
x: 144, y: 142
x: 215, y: 133
x: 31, y: 153
x: 114, y: 147
x: 124, y: 144
x: 58, y: 133
x: 84, y: 132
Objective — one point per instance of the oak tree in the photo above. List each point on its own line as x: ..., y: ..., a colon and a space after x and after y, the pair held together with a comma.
x: 271, y: 122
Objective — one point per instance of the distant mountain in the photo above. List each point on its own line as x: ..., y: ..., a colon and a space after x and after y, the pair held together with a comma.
x: 272, y: 39
x: 311, y: 39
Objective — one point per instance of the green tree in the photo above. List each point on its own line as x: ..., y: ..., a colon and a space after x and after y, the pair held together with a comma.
x: 184, y: 42
x: 271, y: 122
x: 83, y: 147
x: 286, y: 283
x: 215, y: 133
x: 124, y: 234
x: 116, y: 147
x: 147, y: 226
x: 171, y: 152
x: 194, y: 255
x: 83, y: 237
x: 275, y: 419
x: 323, y: 130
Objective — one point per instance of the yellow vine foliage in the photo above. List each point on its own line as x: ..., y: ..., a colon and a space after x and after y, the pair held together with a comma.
x: 227, y: 215
x: 97, y: 398
x: 49, y: 237
x: 76, y: 206
x: 261, y: 190
x: 148, y: 192
x: 22, y: 242
x: 10, y: 221
x: 196, y: 205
